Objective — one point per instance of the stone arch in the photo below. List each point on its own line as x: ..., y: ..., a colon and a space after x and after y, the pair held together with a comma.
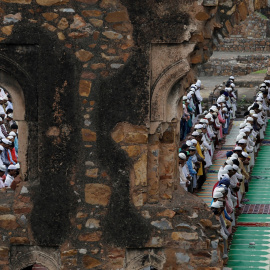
x: 161, y: 109
x: 140, y: 259
x: 9, y: 83
x: 33, y: 257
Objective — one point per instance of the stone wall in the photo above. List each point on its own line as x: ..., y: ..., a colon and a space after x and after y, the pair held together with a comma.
x: 248, y: 36
x: 102, y: 82
x: 241, y: 65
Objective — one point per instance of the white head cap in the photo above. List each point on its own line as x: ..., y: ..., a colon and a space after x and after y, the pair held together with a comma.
x: 228, y: 168
x: 12, y: 167
x: 12, y: 133
x: 217, y: 204
x: 194, y: 141
x: 195, y: 133
x: 188, y: 143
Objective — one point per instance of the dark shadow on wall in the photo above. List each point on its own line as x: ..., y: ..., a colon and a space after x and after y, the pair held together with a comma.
x: 125, y: 98
x: 54, y: 73
x: 122, y: 98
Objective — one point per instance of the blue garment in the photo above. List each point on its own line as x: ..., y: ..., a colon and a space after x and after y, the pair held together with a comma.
x: 10, y: 156
x: 16, y: 145
x: 190, y: 167
x: 225, y: 212
x: 4, y: 157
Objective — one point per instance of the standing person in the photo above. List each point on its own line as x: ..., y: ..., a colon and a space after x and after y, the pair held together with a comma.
x: 201, y: 171
x: 184, y: 182
x: 217, y: 208
x: 14, y: 132
x: 12, y: 172
x: 191, y: 168
x: 198, y: 95
x: 2, y: 176
x: 17, y: 178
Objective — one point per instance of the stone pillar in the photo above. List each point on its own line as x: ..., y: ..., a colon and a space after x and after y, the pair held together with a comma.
x: 153, y: 172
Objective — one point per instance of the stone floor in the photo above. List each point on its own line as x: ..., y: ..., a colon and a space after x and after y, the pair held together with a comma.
x: 253, y: 80
x: 253, y: 225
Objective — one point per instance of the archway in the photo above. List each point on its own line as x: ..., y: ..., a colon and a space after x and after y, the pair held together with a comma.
x: 36, y: 267
x: 35, y: 258
x: 11, y: 85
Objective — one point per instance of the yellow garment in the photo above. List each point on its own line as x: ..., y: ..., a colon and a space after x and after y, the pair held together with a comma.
x: 199, y: 151
x: 243, y: 170
x: 227, y: 222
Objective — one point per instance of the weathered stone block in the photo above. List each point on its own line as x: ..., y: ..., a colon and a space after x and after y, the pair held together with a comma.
x: 89, y: 262
x: 92, y: 173
x: 85, y: 88
x: 127, y: 133
x: 8, y: 222
x: 18, y: 1
x: 96, y: 22
x: 88, y: 135
x: 98, y: 66
x: 132, y: 150
x: 51, y: 2
x: 243, y: 11
x: 4, y: 208
x: 4, y: 252
x: 7, y: 30
x: 78, y: 22
x: 162, y: 224
x: 118, y: 16
x: 50, y: 16
x: 181, y: 258
x: 210, y: 3
x: 84, y: 55
x: 140, y: 168
x: 69, y: 253
x: 89, y: 2
x: 137, y: 199
x: 112, y: 35
x: 92, y: 13
x: 90, y: 237
x: 92, y: 223
x: 176, y: 236
x: 167, y: 213
x: 229, y: 26
x: 97, y: 194
x: 63, y: 24
x: 206, y: 223
x: 202, y: 16
x: 19, y: 240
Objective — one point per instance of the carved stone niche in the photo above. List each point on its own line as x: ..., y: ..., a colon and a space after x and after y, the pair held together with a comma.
x: 24, y: 256
x: 143, y: 258
x: 210, y: 3
x: 169, y: 64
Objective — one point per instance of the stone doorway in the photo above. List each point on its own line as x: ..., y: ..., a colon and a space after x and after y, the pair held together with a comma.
x: 11, y: 85
x: 36, y: 267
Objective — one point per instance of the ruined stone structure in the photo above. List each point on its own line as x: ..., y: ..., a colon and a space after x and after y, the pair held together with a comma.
x: 251, y: 35
x: 97, y: 87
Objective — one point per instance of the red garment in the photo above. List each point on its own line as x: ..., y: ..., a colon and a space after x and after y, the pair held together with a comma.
x: 13, y: 155
x: 215, y: 185
x: 221, y: 121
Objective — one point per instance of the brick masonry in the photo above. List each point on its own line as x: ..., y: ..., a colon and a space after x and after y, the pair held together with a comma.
x: 103, y: 122
x: 249, y: 36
